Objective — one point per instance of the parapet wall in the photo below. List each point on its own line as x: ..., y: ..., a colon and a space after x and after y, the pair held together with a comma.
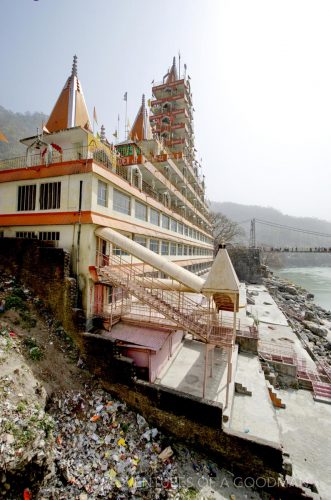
x: 46, y: 271
x: 247, y: 264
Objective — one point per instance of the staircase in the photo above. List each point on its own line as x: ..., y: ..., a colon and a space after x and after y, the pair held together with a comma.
x: 173, y: 305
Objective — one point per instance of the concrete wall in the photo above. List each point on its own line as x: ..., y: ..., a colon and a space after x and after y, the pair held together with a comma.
x: 46, y: 271
x: 247, y: 264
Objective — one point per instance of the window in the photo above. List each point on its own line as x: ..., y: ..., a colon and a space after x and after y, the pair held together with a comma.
x: 26, y: 234
x: 121, y: 202
x: 154, y: 217
x: 26, y: 197
x: 154, y: 245
x: 118, y: 251
x: 140, y: 210
x: 185, y: 230
x: 141, y: 240
x: 165, y: 248
x: 173, y: 225
x: 180, y: 228
x: 110, y: 294
x: 50, y: 195
x: 185, y: 250
x: 180, y: 250
x: 49, y: 235
x: 102, y: 194
x: 190, y: 232
x: 173, y: 248
x: 165, y: 221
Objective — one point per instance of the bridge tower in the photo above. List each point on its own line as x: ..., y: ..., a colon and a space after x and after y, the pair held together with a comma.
x: 252, y: 235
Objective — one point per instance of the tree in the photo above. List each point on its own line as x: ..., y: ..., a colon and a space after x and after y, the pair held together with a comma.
x: 225, y: 230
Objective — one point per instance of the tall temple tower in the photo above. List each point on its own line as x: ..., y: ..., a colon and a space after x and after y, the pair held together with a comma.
x: 172, y: 119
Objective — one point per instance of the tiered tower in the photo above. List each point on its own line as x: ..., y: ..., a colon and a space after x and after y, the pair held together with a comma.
x: 172, y: 122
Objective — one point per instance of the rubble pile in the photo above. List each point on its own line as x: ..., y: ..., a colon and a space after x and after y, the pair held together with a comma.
x: 311, y: 322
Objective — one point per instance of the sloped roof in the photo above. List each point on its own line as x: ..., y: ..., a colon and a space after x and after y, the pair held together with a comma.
x: 141, y: 127
x: 222, y: 276
x: 70, y: 109
x: 172, y: 74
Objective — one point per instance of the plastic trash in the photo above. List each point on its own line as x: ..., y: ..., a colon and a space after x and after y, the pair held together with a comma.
x: 95, y: 418
x: 131, y: 482
x: 166, y: 453
x: 141, y: 421
x: 27, y: 494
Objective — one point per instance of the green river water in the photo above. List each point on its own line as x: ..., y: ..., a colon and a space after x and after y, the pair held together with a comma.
x: 316, y: 280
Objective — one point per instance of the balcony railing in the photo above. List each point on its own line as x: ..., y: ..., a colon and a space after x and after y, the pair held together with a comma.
x: 107, y: 158
x: 99, y: 153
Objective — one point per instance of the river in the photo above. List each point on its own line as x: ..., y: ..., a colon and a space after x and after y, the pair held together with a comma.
x: 316, y: 280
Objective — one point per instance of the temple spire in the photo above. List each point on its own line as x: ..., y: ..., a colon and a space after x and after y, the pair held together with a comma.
x: 141, y: 129
x: 70, y: 109
x: 74, y: 66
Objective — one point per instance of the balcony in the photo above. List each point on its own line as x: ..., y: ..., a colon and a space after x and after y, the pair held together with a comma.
x: 99, y: 153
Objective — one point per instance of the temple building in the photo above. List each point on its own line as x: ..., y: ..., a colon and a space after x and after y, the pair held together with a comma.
x: 134, y: 219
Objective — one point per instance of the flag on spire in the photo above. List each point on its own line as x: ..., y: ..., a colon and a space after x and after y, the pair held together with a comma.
x: 125, y: 97
x: 95, y: 118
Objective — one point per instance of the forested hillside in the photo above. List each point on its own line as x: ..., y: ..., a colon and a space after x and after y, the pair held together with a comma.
x: 274, y: 236
x: 16, y: 126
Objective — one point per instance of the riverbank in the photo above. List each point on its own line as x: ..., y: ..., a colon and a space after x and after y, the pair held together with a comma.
x: 310, y: 322
x: 316, y: 280
x: 294, y: 352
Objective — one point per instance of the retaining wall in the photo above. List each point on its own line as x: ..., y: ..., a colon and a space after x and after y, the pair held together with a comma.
x: 46, y: 271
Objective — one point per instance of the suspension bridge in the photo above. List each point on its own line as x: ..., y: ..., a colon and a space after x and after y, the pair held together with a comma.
x: 319, y: 242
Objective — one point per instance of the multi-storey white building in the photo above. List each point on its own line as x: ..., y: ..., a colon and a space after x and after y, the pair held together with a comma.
x: 71, y: 182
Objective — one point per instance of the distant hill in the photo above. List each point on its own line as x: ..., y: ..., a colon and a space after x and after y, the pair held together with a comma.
x: 16, y: 126
x: 276, y: 237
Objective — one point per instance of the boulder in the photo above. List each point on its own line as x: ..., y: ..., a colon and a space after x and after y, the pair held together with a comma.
x: 321, y: 331
x: 310, y: 316
x: 288, y: 289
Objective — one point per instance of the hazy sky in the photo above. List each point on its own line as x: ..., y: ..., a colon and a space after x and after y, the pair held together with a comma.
x: 260, y: 73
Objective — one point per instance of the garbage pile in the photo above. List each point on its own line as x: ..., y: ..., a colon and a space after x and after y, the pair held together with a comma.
x: 104, y: 449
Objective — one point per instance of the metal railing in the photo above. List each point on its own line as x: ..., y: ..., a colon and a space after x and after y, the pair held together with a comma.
x: 99, y: 153
x: 136, y: 279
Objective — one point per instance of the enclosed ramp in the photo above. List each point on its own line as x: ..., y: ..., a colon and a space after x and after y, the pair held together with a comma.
x: 190, y: 280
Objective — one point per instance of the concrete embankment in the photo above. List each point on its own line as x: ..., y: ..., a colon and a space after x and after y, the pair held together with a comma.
x: 295, y: 344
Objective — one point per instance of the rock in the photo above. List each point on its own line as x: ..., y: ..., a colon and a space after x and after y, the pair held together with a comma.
x: 288, y: 289
x: 310, y: 316
x: 321, y: 331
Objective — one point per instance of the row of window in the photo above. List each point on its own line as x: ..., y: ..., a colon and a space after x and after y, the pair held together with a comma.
x: 123, y: 203
x: 164, y: 247
x: 43, y: 235
x: 49, y: 196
